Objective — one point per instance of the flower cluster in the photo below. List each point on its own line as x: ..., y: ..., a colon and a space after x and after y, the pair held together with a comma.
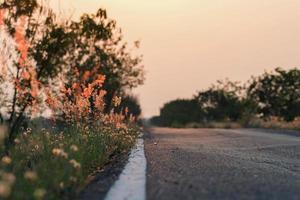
x: 75, y: 164
x: 79, y: 102
x: 59, y: 153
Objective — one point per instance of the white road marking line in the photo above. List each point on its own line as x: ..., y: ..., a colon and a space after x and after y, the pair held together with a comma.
x: 131, y: 184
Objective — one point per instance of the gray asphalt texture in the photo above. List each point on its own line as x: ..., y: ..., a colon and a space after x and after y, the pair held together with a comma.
x: 222, y: 164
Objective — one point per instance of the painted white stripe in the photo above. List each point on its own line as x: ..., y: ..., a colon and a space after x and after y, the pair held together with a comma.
x: 131, y: 184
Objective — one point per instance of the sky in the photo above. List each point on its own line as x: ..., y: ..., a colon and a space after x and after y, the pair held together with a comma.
x: 189, y: 44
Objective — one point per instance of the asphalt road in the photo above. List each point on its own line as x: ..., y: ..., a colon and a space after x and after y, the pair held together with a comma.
x: 222, y: 164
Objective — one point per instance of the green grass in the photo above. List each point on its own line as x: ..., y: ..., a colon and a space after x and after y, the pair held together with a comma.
x: 52, y: 164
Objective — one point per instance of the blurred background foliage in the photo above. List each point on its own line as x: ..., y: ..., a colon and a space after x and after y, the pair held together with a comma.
x: 272, y: 95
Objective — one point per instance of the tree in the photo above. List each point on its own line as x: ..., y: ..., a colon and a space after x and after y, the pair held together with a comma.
x: 278, y: 93
x: 222, y: 101
x: 155, y: 120
x: 99, y: 49
x: 180, y: 112
x: 42, y: 33
x: 23, y: 24
x: 47, y: 54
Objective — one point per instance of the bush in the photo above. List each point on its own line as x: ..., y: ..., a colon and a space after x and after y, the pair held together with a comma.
x: 179, y: 112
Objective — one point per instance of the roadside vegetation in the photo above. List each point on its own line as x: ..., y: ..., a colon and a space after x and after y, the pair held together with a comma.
x: 62, y: 85
x: 271, y: 100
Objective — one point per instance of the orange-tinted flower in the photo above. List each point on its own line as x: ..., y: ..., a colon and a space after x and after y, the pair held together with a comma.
x: 75, y: 86
x: 99, y: 102
x: 63, y: 90
x: 50, y: 101
x: 88, y: 91
x: 102, y: 93
x: 25, y: 75
x: 2, y: 12
x: 100, y: 80
x: 69, y: 91
x: 20, y: 39
x: 34, y: 88
x: 86, y: 75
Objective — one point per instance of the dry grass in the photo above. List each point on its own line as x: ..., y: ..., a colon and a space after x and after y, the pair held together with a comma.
x: 274, y: 123
x: 220, y: 125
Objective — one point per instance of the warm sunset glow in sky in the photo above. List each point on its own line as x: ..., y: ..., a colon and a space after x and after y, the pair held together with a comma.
x: 189, y: 44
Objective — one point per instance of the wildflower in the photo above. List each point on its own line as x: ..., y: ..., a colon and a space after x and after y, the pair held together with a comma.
x: 25, y: 75
x: 73, y: 179
x: 75, y: 86
x: 9, y: 178
x: 2, y: 12
x: 59, y: 153
x: 118, y: 125
x: 99, y: 102
x: 22, y: 45
x: 17, y: 141
x: 132, y: 118
x: 86, y: 75
x: 6, y: 160
x: 74, y: 148
x: 117, y: 101
x: 5, y: 189
x: 64, y: 155
x: 69, y: 91
x: 75, y: 164
x: 102, y: 93
x: 30, y: 175
x: 39, y: 193
x: 88, y: 91
x: 61, y: 185
x: 100, y: 80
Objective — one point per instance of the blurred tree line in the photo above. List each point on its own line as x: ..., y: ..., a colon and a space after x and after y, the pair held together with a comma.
x: 273, y: 94
x: 60, y: 48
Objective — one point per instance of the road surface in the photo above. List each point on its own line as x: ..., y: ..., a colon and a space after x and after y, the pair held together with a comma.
x: 222, y: 164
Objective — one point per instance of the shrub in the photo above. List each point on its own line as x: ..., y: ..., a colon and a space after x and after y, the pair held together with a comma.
x: 179, y: 112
